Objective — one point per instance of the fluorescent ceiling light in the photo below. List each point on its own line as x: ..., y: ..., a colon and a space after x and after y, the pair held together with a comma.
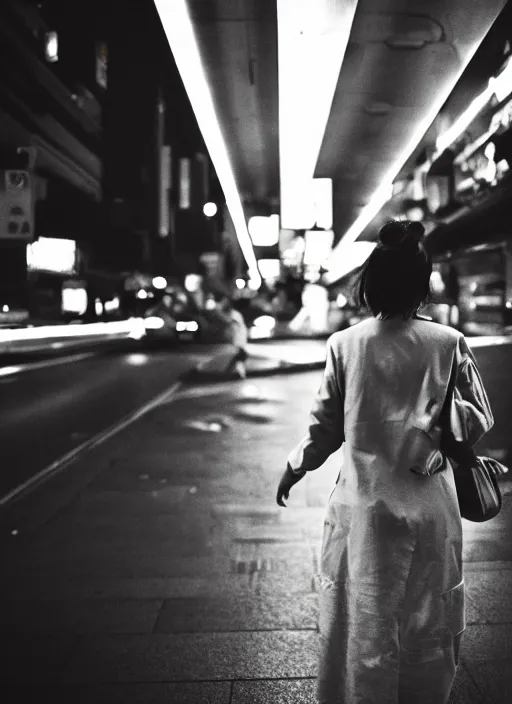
x: 446, y: 139
x: 180, y: 35
x: 322, y: 193
x: 385, y: 190
x: 501, y: 85
x: 312, y: 39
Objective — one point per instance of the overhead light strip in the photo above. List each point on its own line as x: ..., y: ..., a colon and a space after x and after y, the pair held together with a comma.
x: 312, y: 39
x: 384, y: 192
x: 501, y: 86
x: 180, y: 34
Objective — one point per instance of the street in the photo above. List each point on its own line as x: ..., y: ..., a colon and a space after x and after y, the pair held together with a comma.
x: 47, y: 412
x: 159, y: 568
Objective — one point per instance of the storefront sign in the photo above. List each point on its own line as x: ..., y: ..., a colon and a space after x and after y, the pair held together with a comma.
x: 16, y: 205
x: 53, y: 255
x: 476, y: 168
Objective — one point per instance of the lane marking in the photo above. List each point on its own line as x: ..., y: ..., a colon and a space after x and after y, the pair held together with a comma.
x: 130, y: 327
x: 84, y: 447
x: 44, y: 364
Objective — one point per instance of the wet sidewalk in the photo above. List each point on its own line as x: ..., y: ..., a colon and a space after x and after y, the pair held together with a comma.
x: 265, y: 359
x: 159, y: 569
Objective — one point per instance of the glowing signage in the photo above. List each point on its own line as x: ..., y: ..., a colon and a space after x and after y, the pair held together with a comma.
x: 318, y: 246
x: 52, y: 255
x: 269, y: 268
x: 264, y: 231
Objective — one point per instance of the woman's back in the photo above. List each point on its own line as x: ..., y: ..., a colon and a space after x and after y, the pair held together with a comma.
x: 395, y: 374
x: 392, y: 588
x: 392, y: 368
x: 392, y: 545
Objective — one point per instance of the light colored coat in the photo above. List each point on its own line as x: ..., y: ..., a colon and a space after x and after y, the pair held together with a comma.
x: 392, y: 586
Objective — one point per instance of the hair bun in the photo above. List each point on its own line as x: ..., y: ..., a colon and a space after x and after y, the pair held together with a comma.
x: 392, y: 234
x: 401, y: 234
x: 415, y: 229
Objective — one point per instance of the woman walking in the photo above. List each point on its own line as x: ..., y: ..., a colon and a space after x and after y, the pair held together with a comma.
x: 392, y: 586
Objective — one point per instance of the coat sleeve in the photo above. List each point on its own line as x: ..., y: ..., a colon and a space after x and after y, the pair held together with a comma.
x: 325, y: 433
x: 471, y: 413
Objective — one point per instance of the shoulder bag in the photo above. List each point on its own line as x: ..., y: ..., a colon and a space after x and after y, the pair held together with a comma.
x: 478, y: 491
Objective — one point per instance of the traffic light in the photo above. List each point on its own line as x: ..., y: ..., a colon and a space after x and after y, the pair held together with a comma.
x: 16, y: 205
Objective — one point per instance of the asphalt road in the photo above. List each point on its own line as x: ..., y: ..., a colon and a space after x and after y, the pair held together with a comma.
x: 47, y: 412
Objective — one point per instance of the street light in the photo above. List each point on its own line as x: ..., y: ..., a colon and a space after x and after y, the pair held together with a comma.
x: 159, y: 282
x: 210, y: 209
x: 51, y: 46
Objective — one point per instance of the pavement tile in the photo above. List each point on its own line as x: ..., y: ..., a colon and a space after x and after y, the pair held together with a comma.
x: 184, y: 657
x: 81, y: 531
x: 268, y: 534
x: 304, y: 691
x: 40, y: 658
x: 223, y: 557
x: 486, y: 643
x: 498, y: 548
x: 173, y: 693
x: 464, y: 690
x: 114, y: 564
x: 244, y: 583
x: 80, y: 616
x: 98, y: 505
x: 138, y: 471
x: 89, y: 550
x: 275, y: 691
x: 494, y: 680
x: 486, y: 566
x: 488, y: 596
x: 252, y: 613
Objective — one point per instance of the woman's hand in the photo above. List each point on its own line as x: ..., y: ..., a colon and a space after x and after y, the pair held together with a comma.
x: 288, y: 480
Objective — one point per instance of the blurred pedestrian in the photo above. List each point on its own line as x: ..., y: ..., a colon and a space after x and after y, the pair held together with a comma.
x: 391, y: 578
x: 238, y: 335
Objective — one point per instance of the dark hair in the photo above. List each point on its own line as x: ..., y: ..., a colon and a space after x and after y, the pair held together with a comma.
x: 395, y: 280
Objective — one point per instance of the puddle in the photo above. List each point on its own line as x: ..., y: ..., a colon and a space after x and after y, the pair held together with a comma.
x: 205, y: 427
x: 213, y: 424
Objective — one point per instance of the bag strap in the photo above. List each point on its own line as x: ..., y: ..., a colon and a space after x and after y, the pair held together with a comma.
x: 458, y: 450
x: 444, y: 416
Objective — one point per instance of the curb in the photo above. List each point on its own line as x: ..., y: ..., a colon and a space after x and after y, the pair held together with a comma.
x: 196, y: 376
